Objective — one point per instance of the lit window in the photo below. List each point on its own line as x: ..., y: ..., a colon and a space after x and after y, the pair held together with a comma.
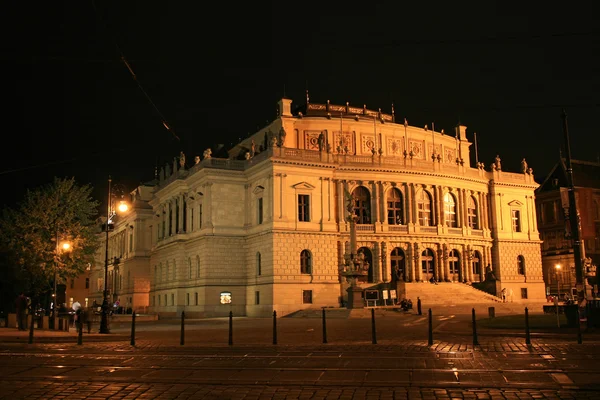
x: 225, y: 297
x: 424, y: 208
x: 394, y: 207
x: 516, y: 220
x: 472, y: 216
x: 450, y: 210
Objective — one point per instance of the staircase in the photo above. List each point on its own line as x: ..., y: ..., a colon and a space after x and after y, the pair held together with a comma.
x: 448, y: 293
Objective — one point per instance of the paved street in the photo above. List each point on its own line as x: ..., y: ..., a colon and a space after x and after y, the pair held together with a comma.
x: 401, y: 365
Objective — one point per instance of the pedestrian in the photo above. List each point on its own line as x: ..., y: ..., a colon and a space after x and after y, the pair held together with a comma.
x: 21, y: 304
x: 504, y: 295
x: 419, y: 306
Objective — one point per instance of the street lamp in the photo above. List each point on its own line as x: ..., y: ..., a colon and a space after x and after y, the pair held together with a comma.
x: 556, y: 269
x: 65, y: 247
x: 110, y: 213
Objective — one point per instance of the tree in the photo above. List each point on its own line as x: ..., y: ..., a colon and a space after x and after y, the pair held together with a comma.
x: 30, y: 234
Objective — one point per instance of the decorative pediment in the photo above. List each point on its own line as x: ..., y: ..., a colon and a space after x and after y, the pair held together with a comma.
x: 515, y: 203
x: 303, y: 186
x: 258, y: 190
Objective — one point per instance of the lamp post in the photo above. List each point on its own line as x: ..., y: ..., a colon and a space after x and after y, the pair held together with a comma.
x: 556, y: 269
x: 110, y: 213
x: 66, y: 246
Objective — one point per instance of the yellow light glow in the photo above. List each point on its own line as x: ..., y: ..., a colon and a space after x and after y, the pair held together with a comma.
x: 557, y: 266
x: 66, y: 246
x: 123, y: 206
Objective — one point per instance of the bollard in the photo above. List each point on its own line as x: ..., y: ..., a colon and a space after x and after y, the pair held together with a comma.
x: 133, y: 329
x: 527, y: 334
x: 80, y: 333
x: 579, y: 338
x: 30, y: 330
x: 274, y: 327
x: 430, y: 339
x: 230, y: 328
x: 324, y: 327
x: 419, y: 306
x: 182, y: 339
x: 373, y: 330
x: 475, y: 342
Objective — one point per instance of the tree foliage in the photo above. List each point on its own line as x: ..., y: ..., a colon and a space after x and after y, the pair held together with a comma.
x: 30, y: 235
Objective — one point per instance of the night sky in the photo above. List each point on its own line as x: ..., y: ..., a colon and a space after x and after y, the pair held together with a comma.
x: 215, y: 71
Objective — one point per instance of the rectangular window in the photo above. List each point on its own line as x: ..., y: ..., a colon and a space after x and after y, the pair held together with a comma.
x: 200, y: 216
x: 165, y: 299
x: 260, y: 210
x: 516, y: 220
x: 153, y: 301
x: 159, y: 299
x: 307, y: 297
x: 187, y: 299
x: 257, y: 297
x: 523, y: 293
x: 87, y: 283
x: 303, y: 208
x: 196, y: 298
x: 131, y: 239
x: 172, y: 299
x: 191, y: 220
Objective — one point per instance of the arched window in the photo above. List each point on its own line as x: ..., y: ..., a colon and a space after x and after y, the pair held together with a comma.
x: 476, y: 263
x: 424, y: 208
x: 305, y: 262
x: 450, y: 210
x: 394, y: 205
x: 454, y: 261
x: 428, y: 264
x: 398, y: 265
x: 472, y: 215
x: 521, y: 265
x: 258, y: 264
x: 362, y: 205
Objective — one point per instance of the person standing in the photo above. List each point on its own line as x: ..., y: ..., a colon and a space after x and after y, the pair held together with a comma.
x: 21, y: 304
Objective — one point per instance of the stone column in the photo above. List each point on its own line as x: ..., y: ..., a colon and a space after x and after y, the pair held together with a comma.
x: 469, y: 267
x: 408, y: 262
x: 413, y: 209
x: 340, y: 203
x: 208, y: 204
x: 444, y: 260
x: 385, y: 272
x: 376, y: 263
x: 440, y: 205
x: 465, y: 206
x: 374, y: 202
x: 182, y: 206
x: 417, y: 264
x: 408, y: 204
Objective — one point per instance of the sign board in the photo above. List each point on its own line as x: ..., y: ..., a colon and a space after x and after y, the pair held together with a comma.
x: 385, y: 294
x: 393, y: 294
x: 371, y: 294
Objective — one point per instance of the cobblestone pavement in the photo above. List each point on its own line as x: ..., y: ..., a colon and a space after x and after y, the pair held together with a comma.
x: 399, y: 364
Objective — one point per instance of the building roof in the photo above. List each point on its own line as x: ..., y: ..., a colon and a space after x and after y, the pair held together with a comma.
x: 585, y: 174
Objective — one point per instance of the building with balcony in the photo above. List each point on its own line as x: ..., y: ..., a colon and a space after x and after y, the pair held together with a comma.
x: 553, y: 203
x: 265, y: 228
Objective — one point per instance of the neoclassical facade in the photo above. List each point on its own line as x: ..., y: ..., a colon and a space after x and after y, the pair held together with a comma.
x: 265, y: 229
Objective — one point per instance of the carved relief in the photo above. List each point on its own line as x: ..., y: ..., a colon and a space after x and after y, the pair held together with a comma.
x: 450, y: 156
x: 437, y: 149
x: 311, y: 140
x: 416, y: 148
x: 395, y: 147
x: 344, y: 141
x: 368, y: 143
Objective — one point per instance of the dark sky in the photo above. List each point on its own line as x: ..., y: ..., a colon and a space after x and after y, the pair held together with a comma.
x: 215, y: 71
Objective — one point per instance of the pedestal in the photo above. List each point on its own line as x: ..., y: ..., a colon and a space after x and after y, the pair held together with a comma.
x: 355, y: 299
